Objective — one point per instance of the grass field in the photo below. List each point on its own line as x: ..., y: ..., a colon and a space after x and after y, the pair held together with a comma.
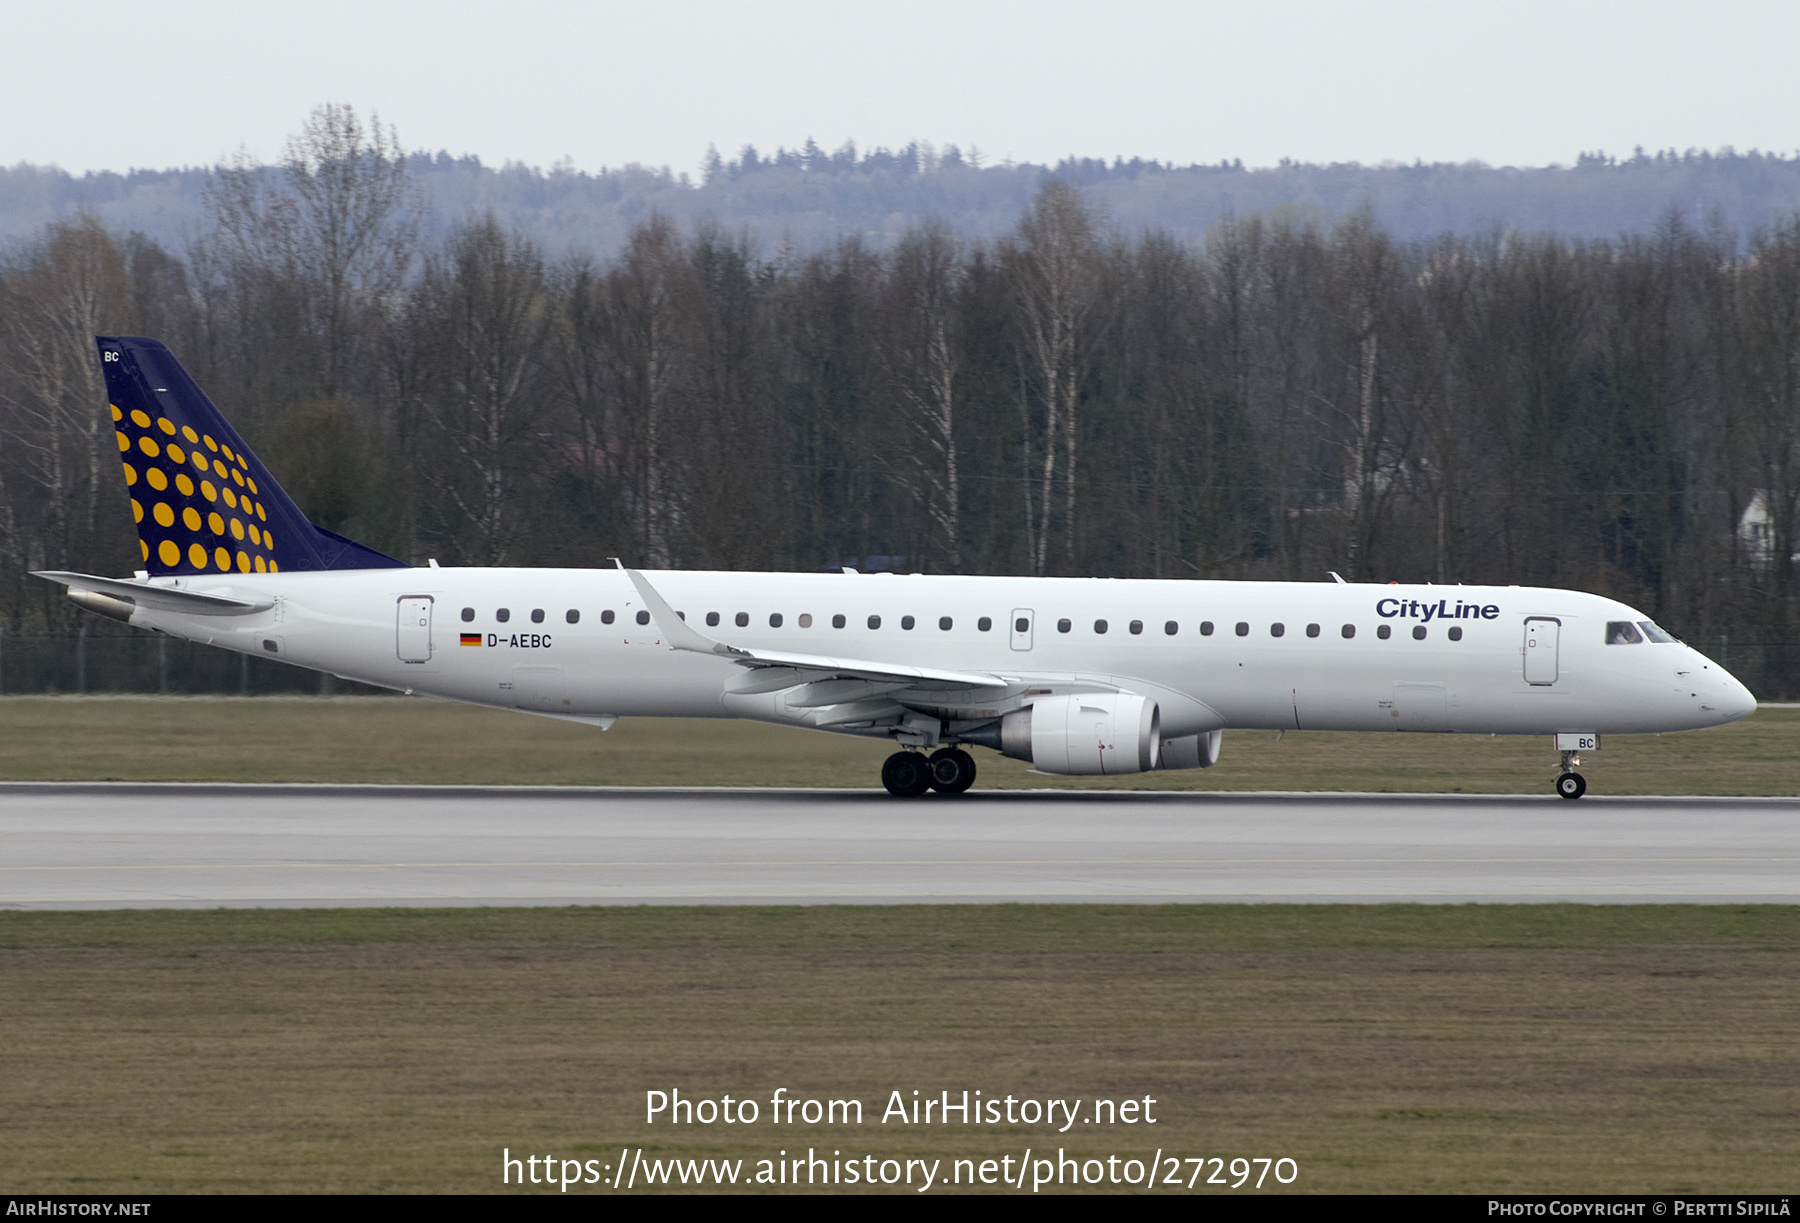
x: 1383, y: 1048
x: 393, y: 739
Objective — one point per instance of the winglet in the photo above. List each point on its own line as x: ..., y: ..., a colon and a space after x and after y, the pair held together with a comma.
x: 675, y: 630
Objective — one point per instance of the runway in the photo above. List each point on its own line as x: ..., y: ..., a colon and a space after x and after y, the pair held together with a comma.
x: 85, y: 846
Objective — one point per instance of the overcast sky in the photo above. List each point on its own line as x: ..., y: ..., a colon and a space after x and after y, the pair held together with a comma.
x: 110, y: 85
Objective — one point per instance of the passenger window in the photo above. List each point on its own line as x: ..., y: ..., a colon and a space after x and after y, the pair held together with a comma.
x: 572, y: 616
x: 468, y: 615
x: 606, y: 617
x: 1312, y: 630
x: 805, y: 619
x: 1456, y: 632
x: 944, y: 623
x: 712, y: 619
x: 537, y: 615
x: 774, y: 619
x: 1622, y: 632
x: 1276, y: 630
x: 1206, y: 627
x: 1171, y: 628
x: 1136, y: 627
x: 643, y: 617
x: 1418, y: 632
x: 906, y: 622
x: 874, y: 621
x: 984, y: 624
x: 1100, y: 626
x: 1384, y: 631
x: 503, y: 615
x: 1243, y: 629
x: 837, y: 622
x: 1063, y: 626
x: 1021, y: 625
x: 1349, y: 631
x: 743, y: 619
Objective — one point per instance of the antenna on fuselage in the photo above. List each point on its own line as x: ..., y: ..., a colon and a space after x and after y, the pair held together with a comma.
x: 1336, y: 577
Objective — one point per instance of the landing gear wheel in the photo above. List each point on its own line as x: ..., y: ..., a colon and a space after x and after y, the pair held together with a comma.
x: 1571, y: 785
x: 952, y: 770
x: 906, y: 775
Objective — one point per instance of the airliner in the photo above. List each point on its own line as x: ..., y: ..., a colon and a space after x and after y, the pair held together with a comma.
x: 1076, y: 676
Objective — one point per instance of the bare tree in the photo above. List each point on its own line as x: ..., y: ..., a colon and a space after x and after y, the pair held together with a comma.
x: 920, y: 361
x: 339, y: 233
x: 1055, y: 288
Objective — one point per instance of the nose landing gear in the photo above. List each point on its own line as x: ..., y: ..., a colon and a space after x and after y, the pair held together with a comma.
x: 1569, y: 783
x: 949, y: 770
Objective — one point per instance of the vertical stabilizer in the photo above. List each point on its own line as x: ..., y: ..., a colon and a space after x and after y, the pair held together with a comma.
x: 202, y: 501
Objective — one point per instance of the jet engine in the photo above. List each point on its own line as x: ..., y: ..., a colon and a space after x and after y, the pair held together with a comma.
x: 1109, y: 733
x: 1191, y: 751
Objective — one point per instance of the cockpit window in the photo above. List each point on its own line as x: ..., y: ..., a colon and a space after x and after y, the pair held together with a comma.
x: 1622, y: 632
x: 1654, y: 633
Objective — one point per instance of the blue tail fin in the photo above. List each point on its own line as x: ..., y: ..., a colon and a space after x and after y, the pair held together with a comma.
x: 203, y: 503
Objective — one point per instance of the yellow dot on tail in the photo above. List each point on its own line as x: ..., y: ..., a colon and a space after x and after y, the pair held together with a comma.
x: 184, y: 484
x: 140, y: 418
x: 230, y: 498
x: 137, y: 511
x: 216, y: 523
x: 187, y: 431
x: 158, y: 481
x: 117, y: 415
x: 268, y: 541
x: 166, y: 425
x: 225, y: 450
x: 199, y: 460
x: 243, y: 562
x: 220, y: 468
x: 236, y: 476
x: 197, y: 555
x: 190, y: 518
x: 130, y: 473
x: 252, y: 484
x: 262, y: 566
x: 170, y: 554
x: 237, y: 529
x: 240, y: 461
x: 255, y: 535
x: 259, y: 512
x: 210, y: 444
x: 222, y: 558
x: 146, y: 549
x: 124, y: 442
x: 148, y: 446
x: 176, y: 453
x: 208, y: 491
x: 274, y: 568
x: 165, y: 517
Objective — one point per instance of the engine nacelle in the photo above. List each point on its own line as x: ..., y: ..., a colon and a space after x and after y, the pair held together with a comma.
x: 1191, y: 751
x: 1099, y: 733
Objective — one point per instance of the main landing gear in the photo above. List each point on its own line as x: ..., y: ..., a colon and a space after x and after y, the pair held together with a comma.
x: 948, y: 770
x: 1569, y: 783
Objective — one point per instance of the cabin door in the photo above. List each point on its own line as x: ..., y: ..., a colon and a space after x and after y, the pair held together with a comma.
x: 413, y: 629
x: 1541, y: 633
x: 1022, y: 620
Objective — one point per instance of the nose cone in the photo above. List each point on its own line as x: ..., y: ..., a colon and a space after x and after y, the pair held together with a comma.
x: 1736, y: 701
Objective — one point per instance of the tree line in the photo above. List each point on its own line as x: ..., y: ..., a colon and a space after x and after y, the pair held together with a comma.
x: 1279, y: 400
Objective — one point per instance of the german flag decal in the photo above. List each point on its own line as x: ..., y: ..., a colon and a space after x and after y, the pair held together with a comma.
x: 471, y: 638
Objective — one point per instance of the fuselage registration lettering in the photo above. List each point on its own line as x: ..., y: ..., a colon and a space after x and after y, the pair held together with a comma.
x: 520, y: 641
x: 1413, y: 609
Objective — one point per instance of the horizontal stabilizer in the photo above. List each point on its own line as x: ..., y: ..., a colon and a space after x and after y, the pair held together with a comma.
x: 159, y: 598
x: 681, y: 636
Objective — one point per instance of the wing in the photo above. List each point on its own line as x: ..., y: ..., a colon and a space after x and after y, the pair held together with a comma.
x: 789, y: 669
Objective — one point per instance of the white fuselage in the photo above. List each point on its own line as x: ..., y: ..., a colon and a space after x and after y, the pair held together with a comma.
x: 537, y: 660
